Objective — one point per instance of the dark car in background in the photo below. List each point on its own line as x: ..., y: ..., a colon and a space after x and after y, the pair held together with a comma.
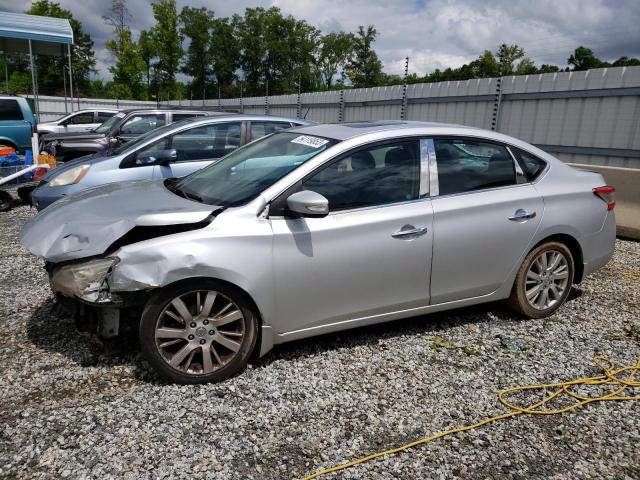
x: 121, y: 128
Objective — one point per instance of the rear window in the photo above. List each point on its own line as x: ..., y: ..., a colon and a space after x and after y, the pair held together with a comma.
x: 10, y: 110
x: 532, y: 165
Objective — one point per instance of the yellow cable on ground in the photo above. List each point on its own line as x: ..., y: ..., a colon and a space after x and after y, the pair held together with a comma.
x: 609, y: 377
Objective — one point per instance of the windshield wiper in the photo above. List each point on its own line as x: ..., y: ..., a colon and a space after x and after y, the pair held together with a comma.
x: 170, y: 183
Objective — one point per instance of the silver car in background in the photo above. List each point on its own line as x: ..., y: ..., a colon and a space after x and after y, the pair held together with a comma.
x: 323, y: 228
x: 79, y: 121
x: 173, y: 150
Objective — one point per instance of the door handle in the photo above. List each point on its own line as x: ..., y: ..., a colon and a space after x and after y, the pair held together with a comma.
x: 521, y: 214
x: 410, y: 231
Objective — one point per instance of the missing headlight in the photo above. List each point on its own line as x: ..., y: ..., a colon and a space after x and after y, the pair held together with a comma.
x: 87, y: 281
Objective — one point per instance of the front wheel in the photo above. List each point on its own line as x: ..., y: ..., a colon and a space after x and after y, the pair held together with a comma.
x: 6, y: 201
x: 198, y: 331
x: 543, y: 281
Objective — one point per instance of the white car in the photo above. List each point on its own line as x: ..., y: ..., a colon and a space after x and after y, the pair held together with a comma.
x: 80, y: 121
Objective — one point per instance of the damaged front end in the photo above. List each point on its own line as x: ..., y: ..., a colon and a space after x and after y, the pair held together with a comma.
x: 79, y: 235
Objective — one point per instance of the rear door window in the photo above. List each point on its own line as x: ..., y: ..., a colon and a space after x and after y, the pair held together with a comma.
x: 467, y: 165
x: 142, y: 123
x: 104, y: 116
x: 183, y: 116
x: 532, y: 165
x: 261, y: 129
x: 10, y: 110
x: 207, y: 141
x: 81, y: 118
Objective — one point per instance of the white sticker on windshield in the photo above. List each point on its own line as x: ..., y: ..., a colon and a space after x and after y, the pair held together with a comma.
x: 310, y: 141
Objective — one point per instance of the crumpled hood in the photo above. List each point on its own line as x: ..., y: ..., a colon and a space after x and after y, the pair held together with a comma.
x: 72, y: 136
x: 88, y: 222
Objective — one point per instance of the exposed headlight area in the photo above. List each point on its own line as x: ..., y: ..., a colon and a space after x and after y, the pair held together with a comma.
x: 73, y: 175
x: 88, y: 281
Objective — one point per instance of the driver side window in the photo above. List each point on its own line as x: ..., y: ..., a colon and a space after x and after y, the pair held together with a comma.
x: 149, y: 155
x: 374, y: 176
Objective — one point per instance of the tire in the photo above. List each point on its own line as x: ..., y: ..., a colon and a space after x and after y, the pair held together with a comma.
x: 533, y: 280
x: 6, y: 201
x: 228, y: 333
x: 24, y: 193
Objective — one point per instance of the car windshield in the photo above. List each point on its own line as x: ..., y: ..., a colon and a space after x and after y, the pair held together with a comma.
x: 106, y: 126
x: 156, y: 133
x: 242, y: 175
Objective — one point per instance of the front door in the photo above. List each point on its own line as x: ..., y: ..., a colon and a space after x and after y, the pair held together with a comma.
x: 371, y: 255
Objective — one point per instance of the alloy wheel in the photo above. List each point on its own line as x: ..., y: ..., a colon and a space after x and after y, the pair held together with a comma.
x: 547, y: 279
x: 199, y: 332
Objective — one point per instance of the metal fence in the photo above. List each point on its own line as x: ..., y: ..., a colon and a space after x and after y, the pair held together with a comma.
x: 590, y: 117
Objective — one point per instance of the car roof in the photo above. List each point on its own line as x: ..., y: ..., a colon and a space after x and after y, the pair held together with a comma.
x: 238, y: 117
x: 177, y: 110
x: 344, y: 131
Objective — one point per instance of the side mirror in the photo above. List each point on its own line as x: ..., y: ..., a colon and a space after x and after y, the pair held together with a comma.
x: 308, y: 203
x: 165, y: 157
x: 114, y: 140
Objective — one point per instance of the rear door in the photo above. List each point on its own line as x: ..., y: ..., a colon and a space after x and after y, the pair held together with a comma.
x: 198, y: 147
x: 13, y: 126
x: 485, y: 215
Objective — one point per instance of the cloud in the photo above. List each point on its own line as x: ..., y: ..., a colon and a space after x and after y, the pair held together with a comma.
x: 433, y: 33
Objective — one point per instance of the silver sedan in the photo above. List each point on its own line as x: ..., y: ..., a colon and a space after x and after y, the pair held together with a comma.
x: 319, y: 229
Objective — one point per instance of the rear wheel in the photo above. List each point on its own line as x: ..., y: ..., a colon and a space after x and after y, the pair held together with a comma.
x: 543, y: 281
x: 198, y: 331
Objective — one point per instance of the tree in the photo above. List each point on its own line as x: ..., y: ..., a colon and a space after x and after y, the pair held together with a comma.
x: 117, y: 19
x: 335, y: 51
x: 485, y: 66
x: 147, y: 50
x: 626, y: 62
x: 197, y: 24
x: 168, y: 46
x: 275, y: 50
x: 51, y: 68
x: 583, y: 59
x: 225, y: 52
x: 507, y: 55
x: 127, y: 72
x: 364, y: 68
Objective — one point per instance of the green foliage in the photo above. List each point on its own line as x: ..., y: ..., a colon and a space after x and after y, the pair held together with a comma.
x: 335, y: 51
x: 507, y: 56
x: 365, y: 68
x: 50, y: 68
x: 275, y: 50
x: 167, y: 40
x: 128, y: 70
x: 197, y: 25
x: 225, y: 51
x: 583, y: 59
x: 147, y: 50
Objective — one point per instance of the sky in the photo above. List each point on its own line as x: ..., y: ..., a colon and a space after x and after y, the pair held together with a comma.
x: 432, y: 33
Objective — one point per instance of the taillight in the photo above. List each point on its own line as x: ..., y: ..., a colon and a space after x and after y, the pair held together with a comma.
x: 607, y: 195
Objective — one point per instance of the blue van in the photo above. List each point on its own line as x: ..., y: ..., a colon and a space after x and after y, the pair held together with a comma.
x: 17, y: 122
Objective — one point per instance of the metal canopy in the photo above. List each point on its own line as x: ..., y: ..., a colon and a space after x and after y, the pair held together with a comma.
x: 36, y: 35
x: 48, y: 35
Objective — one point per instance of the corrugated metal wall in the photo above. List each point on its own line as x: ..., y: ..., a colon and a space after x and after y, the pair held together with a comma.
x: 590, y: 117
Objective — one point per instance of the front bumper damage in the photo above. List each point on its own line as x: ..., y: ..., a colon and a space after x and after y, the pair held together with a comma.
x: 89, y: 300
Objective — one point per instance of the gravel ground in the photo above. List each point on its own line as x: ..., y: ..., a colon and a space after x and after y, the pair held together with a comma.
x: 71, y: 407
